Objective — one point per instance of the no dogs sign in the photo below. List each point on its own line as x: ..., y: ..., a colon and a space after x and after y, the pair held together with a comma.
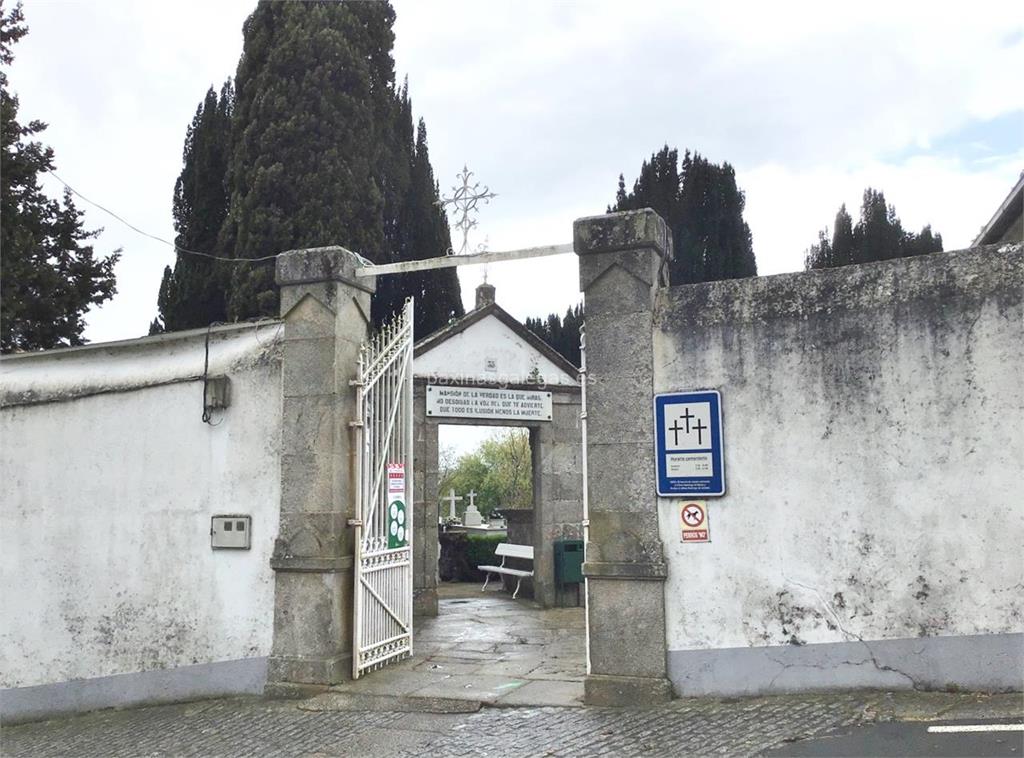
x: 693, y: 516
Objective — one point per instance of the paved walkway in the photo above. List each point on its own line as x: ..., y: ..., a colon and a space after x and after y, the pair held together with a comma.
x: 482, y: 648
x: 253, y: 727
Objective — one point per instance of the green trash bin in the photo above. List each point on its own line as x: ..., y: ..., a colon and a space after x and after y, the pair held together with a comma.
x: 568, y: 562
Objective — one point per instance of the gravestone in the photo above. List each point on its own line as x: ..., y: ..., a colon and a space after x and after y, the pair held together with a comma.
x: 452, y: 499
x: 472, y: 517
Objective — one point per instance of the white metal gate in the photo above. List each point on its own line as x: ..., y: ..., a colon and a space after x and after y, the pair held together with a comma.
x: 384, y: 497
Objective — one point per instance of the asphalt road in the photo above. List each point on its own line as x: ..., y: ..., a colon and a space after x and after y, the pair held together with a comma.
x: 985, y: 738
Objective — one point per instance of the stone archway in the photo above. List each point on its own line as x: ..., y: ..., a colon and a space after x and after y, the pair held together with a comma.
x: 557, y: 494
x: 489, y: 349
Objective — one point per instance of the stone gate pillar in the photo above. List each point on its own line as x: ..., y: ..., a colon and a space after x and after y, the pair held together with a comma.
x: 425, y: 507
x: 326, y: 313
x: 621, y: 257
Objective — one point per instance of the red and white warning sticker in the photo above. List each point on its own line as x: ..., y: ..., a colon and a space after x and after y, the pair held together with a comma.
x: 693, y: 516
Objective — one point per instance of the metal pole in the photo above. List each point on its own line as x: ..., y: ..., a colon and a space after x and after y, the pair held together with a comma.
x: 586, y: 493
x: 409, y: 460
x: 451, y: 261
x: 357, y: 595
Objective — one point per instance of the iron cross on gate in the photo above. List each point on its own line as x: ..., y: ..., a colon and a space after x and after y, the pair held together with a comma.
x: 465, y: 200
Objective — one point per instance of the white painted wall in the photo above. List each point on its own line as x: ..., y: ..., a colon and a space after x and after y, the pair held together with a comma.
x: 873, y: 448
x: 110, y: 480
x: 463, y: 357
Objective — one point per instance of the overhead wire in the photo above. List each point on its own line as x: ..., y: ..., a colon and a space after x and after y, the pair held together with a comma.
x: 144, y: 233
x: 257, y: 322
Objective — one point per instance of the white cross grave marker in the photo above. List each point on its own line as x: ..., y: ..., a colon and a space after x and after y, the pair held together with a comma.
x: 472, y: 517
x: 452, y: 499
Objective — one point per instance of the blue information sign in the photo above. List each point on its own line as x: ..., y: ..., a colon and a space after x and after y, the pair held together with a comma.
x: 688, y: 444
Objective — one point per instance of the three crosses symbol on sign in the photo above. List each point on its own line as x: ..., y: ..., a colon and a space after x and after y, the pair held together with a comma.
x: 699, y: 427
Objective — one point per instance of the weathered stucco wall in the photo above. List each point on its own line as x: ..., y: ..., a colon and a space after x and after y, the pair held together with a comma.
x: 871, y: 529
x: 111, y: 591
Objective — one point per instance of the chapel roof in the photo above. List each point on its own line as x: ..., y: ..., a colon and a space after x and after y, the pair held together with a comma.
x: 487, y: 308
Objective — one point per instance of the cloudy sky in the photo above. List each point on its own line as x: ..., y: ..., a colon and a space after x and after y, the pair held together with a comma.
x: 549, y: 102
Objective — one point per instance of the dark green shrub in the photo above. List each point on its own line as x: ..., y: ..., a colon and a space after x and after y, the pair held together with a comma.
x: 480, y: 549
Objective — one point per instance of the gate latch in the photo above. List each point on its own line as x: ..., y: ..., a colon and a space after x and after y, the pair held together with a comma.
x: 355, y: 522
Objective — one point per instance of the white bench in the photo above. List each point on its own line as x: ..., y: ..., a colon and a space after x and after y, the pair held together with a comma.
x: 508, y: 550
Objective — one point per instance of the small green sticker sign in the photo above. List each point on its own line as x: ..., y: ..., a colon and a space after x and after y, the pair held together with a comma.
x: 398, y: 522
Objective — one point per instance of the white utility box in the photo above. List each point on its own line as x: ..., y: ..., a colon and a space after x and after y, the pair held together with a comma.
x: 231, y: 532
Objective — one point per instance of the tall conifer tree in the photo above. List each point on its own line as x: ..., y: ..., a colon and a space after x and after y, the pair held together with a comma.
x: 415, y: 228
x: 561, y: 332
x: 438, y: 294
x: 313, y: 84
x: 877, y: 236
x: 194, y: 293
x: 703, y: 207
x: 324, y: 153
x: 50, y: 276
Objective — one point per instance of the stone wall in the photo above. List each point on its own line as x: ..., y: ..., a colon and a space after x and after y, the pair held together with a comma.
x: 557, y: 493
x: 622, y: 257
x: 425, y: 548
x: 871, y: 528
x: 112, y: 594
x: 325, y: 308
x: 869, y: 535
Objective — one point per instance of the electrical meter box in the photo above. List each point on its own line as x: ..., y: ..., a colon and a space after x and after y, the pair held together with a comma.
x: 231, y: 532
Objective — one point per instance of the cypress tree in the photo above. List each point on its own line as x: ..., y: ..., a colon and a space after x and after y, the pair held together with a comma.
x: 438, y: 294
x: 703, y: 207
x: 843, y: 240
x: 310, y: 132
x: 923, y: 242
x: 396, y: 129
x: 561, y: 333
x: 193, y: 294
x: 877, y: 236
x: 415, y: 228
x: 572, y: 322
x: 829, y: 250
x: 324, y: 152
x: 820, y: 255
x: 50, y: 278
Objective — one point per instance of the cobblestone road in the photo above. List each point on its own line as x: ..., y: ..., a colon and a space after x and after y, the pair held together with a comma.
x: 247, y: 727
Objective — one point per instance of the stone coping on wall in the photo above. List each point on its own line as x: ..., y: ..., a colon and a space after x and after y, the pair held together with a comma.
x: 959, y: 275
x: 63, y: 374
